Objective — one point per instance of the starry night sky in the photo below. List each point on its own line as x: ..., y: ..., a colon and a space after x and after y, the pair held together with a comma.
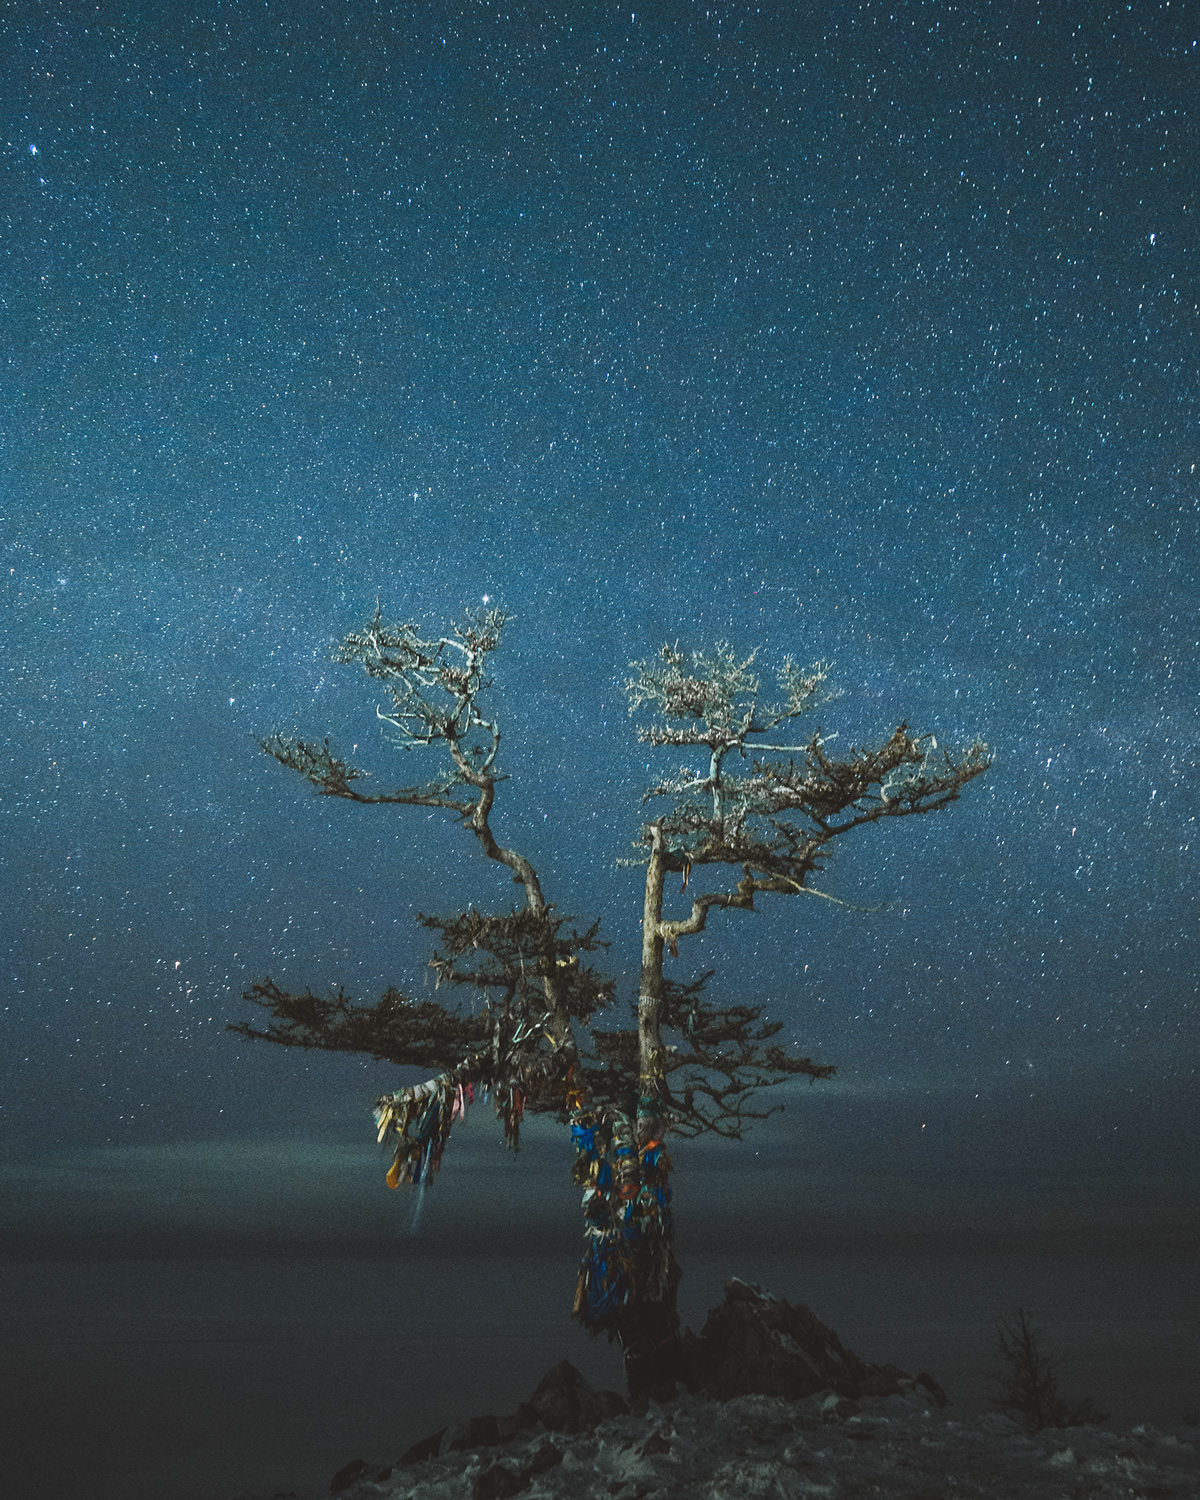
x: 865, y: 332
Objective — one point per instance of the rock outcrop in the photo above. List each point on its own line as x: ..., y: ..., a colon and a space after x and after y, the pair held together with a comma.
x: 562, y: 1402
x: 756, y: 1344
x: 752, y: 1344
x: 565, y: 1402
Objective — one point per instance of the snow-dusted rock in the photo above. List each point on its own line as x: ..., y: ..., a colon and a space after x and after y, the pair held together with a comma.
x: 900, y: 1447
x: 778, y: 1409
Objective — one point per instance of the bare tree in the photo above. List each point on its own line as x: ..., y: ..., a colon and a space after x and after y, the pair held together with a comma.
x: 1028, y: 1379
x: 746, y: 798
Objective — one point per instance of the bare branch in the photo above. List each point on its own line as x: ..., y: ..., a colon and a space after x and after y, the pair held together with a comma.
x: 515, y: 989
x: 333, y: 777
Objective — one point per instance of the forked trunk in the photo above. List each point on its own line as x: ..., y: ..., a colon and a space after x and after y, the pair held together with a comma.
x: 649, y: 1333
x: 628, y: 1279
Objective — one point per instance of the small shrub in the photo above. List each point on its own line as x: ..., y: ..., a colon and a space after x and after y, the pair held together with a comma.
x: 1028, y: 1382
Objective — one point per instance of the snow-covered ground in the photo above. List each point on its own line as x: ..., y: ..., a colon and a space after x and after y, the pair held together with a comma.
x: 764, y: 1448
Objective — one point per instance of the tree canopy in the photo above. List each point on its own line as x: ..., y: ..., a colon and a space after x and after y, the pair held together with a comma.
x: 753, y: 806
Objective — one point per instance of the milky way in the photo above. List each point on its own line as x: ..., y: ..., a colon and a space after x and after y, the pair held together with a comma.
x: 862, y: 332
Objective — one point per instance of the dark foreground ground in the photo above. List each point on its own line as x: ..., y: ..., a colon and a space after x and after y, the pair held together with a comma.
x: 202, y: 1379
x: 761, y: 1448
